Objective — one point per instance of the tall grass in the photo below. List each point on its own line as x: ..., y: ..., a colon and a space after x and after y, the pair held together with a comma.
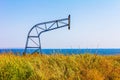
x: 59, y: 67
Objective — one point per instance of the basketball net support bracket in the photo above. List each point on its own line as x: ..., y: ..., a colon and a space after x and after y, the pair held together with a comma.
x: 41, y: 28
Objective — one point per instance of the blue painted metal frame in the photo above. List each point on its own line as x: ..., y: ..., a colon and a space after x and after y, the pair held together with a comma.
x: 45, y: 29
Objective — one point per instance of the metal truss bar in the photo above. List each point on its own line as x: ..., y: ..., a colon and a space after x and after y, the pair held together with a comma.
x: 53, y: 29
x: 33, y: 41
x: 51, y: 25
x: 45, y: 26
x: 31, y: 47
x: 56, y: 27
x: 57, y: 24
x: 33, y: 36
x: 26, y: 45
x: 69, y: 22
x: 40, y: 45
x: 62, y: 22
x: 35, y: 51
x: 36, y: 30
x: 51, y: 21
x: 40, y: 28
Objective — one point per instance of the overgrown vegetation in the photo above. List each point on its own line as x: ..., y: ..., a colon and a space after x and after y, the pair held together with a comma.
x: 59, y: 67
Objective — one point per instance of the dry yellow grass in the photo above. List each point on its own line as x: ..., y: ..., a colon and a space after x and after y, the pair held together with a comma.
x: 59, y: 67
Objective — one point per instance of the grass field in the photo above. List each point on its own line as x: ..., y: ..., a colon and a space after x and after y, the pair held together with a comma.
x: 59, y: 67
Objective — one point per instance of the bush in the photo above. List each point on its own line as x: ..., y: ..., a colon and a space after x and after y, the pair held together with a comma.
x: 59, y: 67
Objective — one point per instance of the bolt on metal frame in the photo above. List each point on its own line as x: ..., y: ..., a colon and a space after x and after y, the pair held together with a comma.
x: 41, y: 28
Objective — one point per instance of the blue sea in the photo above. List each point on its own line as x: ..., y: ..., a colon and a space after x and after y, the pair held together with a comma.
x: 68, y: 51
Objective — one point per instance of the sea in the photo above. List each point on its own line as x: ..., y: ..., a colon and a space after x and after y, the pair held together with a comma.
x: 66, y: 51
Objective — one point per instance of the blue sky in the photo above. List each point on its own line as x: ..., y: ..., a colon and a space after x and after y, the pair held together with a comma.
x: 94, y: 23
